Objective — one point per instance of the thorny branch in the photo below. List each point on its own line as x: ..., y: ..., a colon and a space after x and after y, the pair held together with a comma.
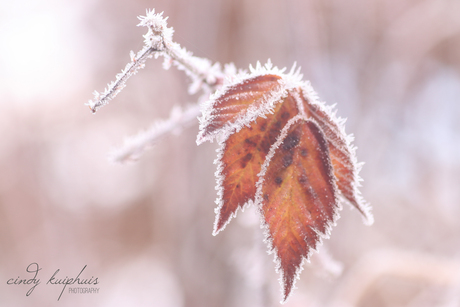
x: 116, y: 86
x: 133, y: 147
x: 158, y: 41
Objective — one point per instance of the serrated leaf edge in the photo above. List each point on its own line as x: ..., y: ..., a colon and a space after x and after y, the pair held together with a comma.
x: 311, y: 96
x: 286, y: 82
x: 265, y: 227
x: 220, y: 189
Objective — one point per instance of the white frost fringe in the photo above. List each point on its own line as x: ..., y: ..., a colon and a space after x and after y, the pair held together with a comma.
x: 258, y: 201
x: 287, y: 82
x: 158, y: 41
x: 210, y: 77
x: 311, y: 96
x: 134, y: 146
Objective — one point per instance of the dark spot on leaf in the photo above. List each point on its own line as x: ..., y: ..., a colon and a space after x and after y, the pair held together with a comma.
x: 303, y: 179
x: 266, y: 197
x: 250, y: 143
x: 287, y: 160
x: 277, y: 127
x: 291, y: 141
x: 285, y: 115
x: 278, y: 180
x: 264, y: 146
x: 303, y: 152
x: 271, y: 78
x: 263, y: 127
x: 270, y: 137
x: 245, y: 160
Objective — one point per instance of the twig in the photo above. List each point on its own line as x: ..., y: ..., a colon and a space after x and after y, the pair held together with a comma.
x: 158, y: 41
x: 113, y: 88
x: 136, y: 145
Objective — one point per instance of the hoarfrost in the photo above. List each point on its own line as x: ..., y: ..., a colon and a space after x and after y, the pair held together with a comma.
x: 209, y: 78
x: 158, y: 41
x: 264, y: 225
x: 133, y: 147
x: 288, y: 81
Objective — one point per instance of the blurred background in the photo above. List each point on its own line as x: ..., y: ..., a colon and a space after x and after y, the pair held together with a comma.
x: 144, y: 229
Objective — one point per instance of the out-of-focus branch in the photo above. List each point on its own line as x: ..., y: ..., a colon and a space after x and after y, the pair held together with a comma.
x: 396, y: 263
x: 136, y: 145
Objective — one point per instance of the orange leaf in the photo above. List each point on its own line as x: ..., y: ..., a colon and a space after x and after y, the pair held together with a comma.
x: 297, y: 196
x: 287, y: 153
x: 341, y: 156
x: 233, y: 105
x: 242, y: 156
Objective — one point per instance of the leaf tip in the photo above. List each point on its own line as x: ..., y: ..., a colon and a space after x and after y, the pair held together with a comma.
x: 199, y: 139
x: 219, y: 223
x: 368, y: 217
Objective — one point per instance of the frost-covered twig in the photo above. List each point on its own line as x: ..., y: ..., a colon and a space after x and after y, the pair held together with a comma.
x: 136, y: 145
x: 158, y: 41
x: 113, y: 88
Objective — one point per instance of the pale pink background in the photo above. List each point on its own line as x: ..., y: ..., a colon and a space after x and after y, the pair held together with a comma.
x: 392, y: 67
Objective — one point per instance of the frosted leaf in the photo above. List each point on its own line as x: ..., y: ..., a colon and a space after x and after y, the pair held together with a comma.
x: 297, y: 197
x: 243, y: 87
x: 298, y: 189
x: 281, y: 150
x: 239, y: 159
x: 342, y: 151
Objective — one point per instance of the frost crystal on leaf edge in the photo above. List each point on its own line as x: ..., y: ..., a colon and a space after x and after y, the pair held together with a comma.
x: 363, y: 206
x: 292, y: 80
x: 287, y: 82
x: 263, y: 224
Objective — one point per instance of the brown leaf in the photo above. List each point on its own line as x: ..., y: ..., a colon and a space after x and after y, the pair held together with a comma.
x: 289, y: 154
x: 297, y: 196
x: 235, y: 102
x: 242, y: 156
x: 341, y: 157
